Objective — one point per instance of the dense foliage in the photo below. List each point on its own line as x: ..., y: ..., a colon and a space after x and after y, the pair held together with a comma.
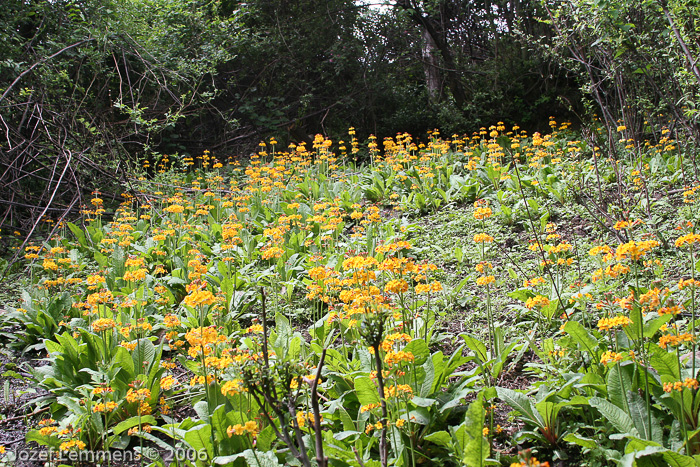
x: 305, y: 310
x: 361, y: 299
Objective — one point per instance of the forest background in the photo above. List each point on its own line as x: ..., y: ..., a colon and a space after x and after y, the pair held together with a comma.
x: 90, y: 89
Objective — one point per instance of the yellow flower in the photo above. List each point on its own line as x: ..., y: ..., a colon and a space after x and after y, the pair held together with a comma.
x: 608, y: 357
x: 168, y: 382
x: 606, y: 324
x: 199, y: 297
x: 689, y: 239
x: 540, y: 301
x: 174, y: 208
x: 47, y: 430
x: 485, y: 280
x: 482, y: 213
x: 103, y: 324
x: 396, y: 286
x: 483, y: 238
x: 393, y: 358
x: 233, y: 387
x: 171, y: 321
x: 634, y: 250
x: 74, y: 443
x: 137, y: 395
x: 272, y: 252
x: 128, y: 345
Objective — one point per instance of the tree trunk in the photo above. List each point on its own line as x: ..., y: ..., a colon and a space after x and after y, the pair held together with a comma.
x: 430, y: 65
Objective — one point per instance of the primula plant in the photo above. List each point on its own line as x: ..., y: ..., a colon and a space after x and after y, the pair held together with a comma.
x: 491, y: 299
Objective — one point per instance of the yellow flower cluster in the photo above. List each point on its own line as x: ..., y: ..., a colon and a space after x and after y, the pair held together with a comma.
x: 435, y: 286
x: 606, y: 324
x: 396, y: 286
x: 304, y: 418
x: 103, y: 324
x: 171, y: 321
x: 137, y: 395
x: 683, y: 283
x: 199, y: 297
x: 690, y: 383
x: 483, y: 238
x: 610, y: 357
x: 392, y: 339
x: 108, y: 406
x: 482, y: 213
x: 485, y: 280
x: 531, y: 462
x: 203, y: 340
x: 635, y: 250
x: 250, y: 427
x: 233, y: 387
x: 540, y: 301
x: 394, y: 358
x: 72, y: 444
x: 398, y: 390
x: 675, y: 340
x: 687, y: 240
x: 393, y: 247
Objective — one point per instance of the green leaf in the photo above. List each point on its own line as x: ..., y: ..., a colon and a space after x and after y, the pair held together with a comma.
x: 550, y: 310
x: 265, y: 438
x: 420, y: 351
x: 476, y: 446
x: 522, y: 404
x: 582, y: 337
x: 619, y: 383
x: 134, y: 421
x: 522, y: 294
x: 581, y: 441
x: 78, y: 232
x: 476, y: 346
x: 366, y: 391
x: 426, y: 384
x: 441, y: 438
x: 638, y: 412
x: 199, y: 438
x: 633, y: 329
x: 666, y: 365
x: 143, y: 356
x: 422, y: 402
x: 615, y: 415
x: 258, y: 458
x: 202, y: 410
x: 651, y: 327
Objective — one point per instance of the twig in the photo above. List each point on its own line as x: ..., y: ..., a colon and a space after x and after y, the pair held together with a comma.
x: 39, y: 63
x: 20, y: 417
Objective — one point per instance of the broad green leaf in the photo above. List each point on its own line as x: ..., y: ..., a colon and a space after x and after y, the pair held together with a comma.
x: 265, y: 438
x: 476, y: 448
x: 666, y: 365
x: 476, y: 346
x: 616, y: 416
x: 199, y: 438
x: 441, y: 438
x: 366, y: 391
x: 581, y: 441
x: 427, y: 384
x: 619, y: 383
x: 639, y: 415
x: 582, y: 337
x: 134, y: 421
x: 522, y: 404
x: 420, y: 351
